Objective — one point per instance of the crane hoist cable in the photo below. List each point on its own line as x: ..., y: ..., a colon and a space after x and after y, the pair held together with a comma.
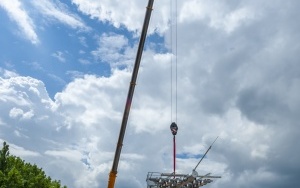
x: 174, y: 57
x: 113, y: 172
x: 173, y: 125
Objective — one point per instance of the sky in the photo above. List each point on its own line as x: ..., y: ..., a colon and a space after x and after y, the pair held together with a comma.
x: 217, y: 68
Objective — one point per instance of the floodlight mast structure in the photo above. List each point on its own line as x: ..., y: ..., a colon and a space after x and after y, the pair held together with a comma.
x: 113, y: 172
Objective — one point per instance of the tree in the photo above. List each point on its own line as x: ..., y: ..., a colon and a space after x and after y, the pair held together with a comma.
x: 16, y: 173
x: 4, y: 153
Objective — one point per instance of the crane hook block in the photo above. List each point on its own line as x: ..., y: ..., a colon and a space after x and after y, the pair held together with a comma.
x: 174, y: 128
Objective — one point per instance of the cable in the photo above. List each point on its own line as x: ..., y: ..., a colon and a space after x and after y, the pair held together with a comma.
x: 173, y: 22
x: 176, y: 58
x: 173, y: 126
x: 171, y: 51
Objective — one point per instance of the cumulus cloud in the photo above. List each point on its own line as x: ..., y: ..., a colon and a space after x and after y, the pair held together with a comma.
x: 71, y: 130
x: 115, y: 50
x: 219, y: 15
x: 238, y: 77
x: 17, y: 112
x: 127, y: 14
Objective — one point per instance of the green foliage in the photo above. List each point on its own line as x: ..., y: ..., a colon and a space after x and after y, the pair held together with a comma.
x: 16, y: 173
x: 4, y: 153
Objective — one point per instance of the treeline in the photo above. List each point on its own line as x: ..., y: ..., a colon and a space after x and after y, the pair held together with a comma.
x: 16, y: 173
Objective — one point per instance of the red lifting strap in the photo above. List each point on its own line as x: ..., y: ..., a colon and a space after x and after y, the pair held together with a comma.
x: 174, y: 154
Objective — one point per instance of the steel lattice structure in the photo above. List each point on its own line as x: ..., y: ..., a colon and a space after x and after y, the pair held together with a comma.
x: 165, y: 180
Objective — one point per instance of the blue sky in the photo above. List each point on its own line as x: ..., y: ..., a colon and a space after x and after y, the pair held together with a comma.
x: 65, y: 68
x: 63, y: 50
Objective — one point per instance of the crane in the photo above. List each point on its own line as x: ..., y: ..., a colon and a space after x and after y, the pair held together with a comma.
x: 113, y: 172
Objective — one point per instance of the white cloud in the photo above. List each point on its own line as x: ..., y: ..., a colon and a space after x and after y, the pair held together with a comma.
x: 7, y: 74
x: 115, y: 50
x: 16, y: 112
x: 71, y: 155
x: 51, y: 10
x: 28, y: 115
x: 59, y: 12
x: 218, y: 14
x: 124, y: 13
x: 19, y: 113
x: 18, y: 14
x: 238, y: 78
